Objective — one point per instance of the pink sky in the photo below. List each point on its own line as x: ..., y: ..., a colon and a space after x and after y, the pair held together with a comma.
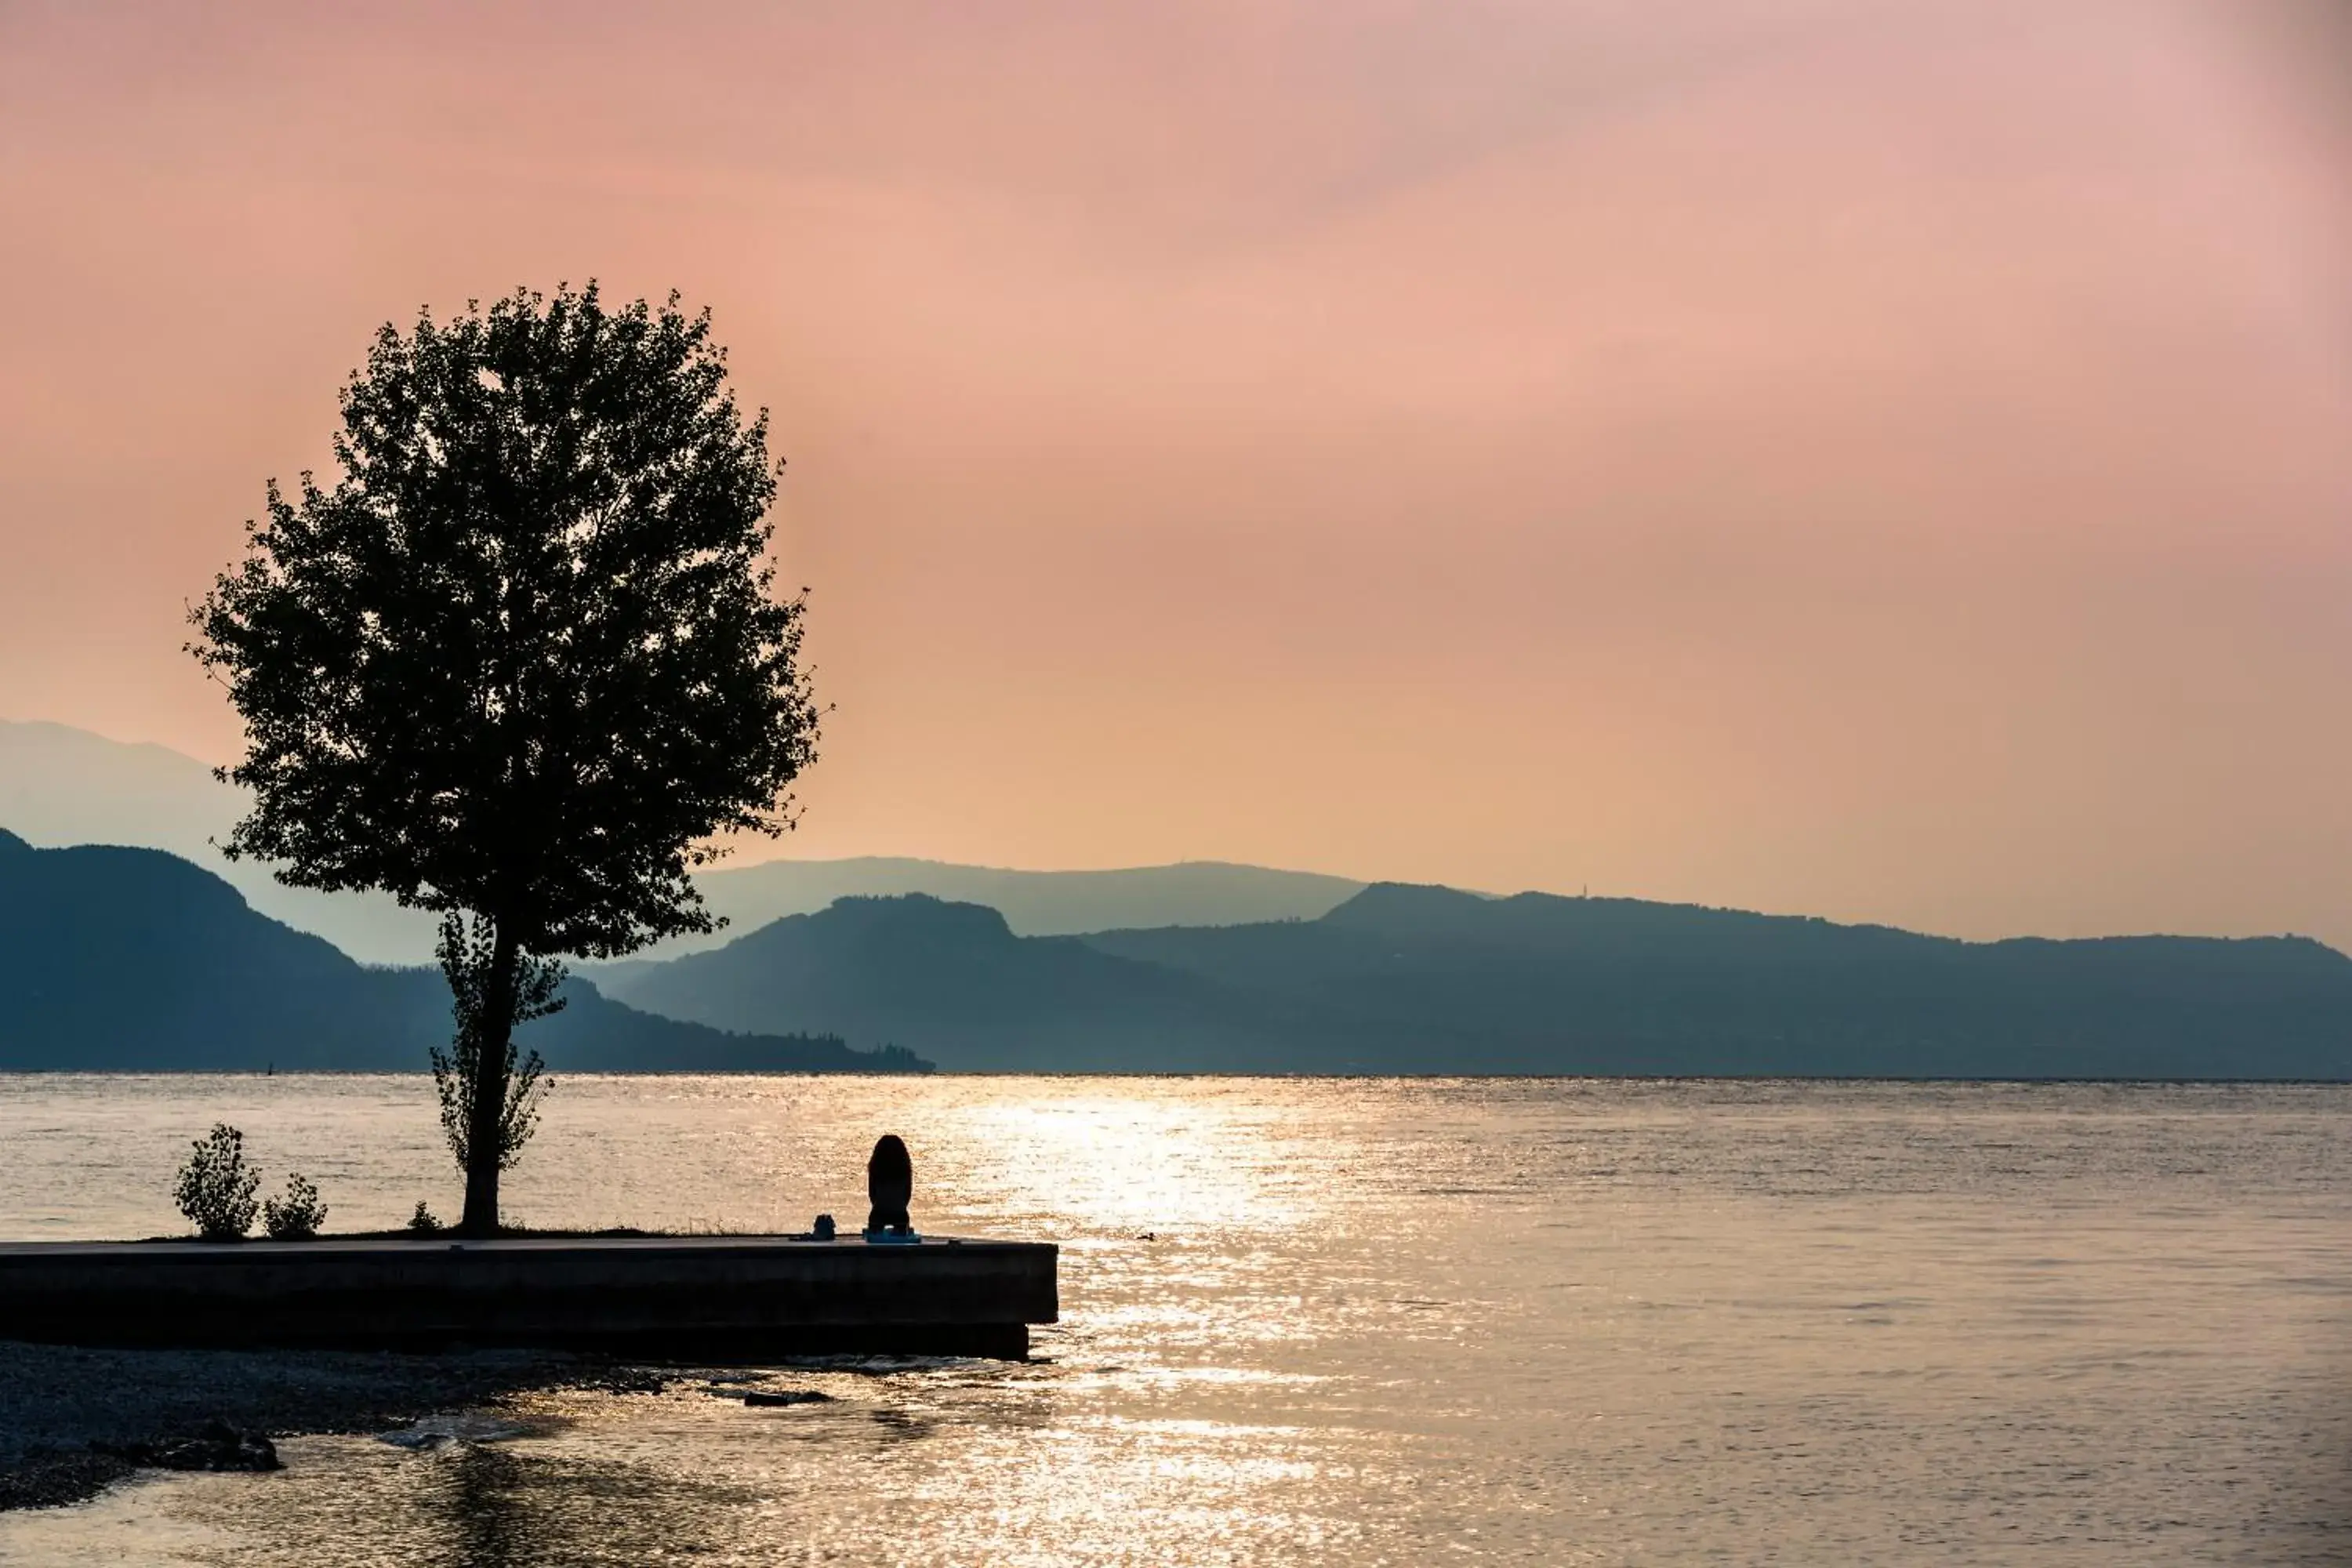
x: 1882, y: 459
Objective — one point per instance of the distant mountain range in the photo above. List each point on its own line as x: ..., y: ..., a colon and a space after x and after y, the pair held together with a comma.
x: 127, y: 957
x: 60, y: 785
x: 1428, y: 980
x: 1034, y: 903
x: 955, y: 976
x: 133, y: 959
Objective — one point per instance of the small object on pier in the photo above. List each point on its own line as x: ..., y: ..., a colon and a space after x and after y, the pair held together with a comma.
x: 889, y: 1186
x: 823, y: 1229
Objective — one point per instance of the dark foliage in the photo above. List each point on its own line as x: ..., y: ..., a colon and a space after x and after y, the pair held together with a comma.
x: 297, y: 1215
x: 522, y: 657
x: 215, y: 1187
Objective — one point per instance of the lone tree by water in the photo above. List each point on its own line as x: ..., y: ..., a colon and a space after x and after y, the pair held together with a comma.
x: 522, y: 660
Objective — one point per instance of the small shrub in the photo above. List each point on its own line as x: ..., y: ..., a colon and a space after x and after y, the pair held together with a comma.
x: 298, y: 1216
x: 421, y: 1222
x: 216, y: 1188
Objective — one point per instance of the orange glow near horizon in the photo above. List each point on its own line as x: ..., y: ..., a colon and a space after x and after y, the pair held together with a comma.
x: 1881, y: 458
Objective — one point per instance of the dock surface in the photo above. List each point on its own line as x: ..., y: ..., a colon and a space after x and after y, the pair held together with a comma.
x: 666, y: 1297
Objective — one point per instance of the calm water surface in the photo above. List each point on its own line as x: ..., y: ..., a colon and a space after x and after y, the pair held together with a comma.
x: 1353, y: 1322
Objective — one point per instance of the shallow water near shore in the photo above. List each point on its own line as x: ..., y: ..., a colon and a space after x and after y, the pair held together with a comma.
x: 1353, y: 1322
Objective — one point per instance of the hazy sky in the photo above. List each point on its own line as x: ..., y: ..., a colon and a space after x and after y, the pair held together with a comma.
x: 1882, y: 459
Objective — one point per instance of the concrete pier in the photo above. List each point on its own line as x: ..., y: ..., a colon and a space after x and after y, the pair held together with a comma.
x: 667, y: 1297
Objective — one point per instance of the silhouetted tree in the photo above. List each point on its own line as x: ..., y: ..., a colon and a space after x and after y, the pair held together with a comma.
x: 523, y: 658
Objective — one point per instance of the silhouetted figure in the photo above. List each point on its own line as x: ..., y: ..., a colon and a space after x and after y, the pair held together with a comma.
x: 889, y: 1183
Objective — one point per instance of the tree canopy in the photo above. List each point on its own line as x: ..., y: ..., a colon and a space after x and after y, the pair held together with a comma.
x: 522, y: 657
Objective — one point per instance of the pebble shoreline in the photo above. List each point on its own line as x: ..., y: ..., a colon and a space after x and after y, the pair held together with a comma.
x: 57, y: 1401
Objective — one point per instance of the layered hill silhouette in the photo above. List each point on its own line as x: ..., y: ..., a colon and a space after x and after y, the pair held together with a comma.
x: 1033, y: 903
x: 133, y: 959
x: 954, y: 973
x: 1417, y: 980
x: 60, y: 785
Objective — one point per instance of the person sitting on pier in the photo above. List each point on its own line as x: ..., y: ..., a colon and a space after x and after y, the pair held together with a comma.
x: 889, y: 1186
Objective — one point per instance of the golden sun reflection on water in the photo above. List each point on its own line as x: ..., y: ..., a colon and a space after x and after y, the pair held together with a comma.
x: 1130, y: 1163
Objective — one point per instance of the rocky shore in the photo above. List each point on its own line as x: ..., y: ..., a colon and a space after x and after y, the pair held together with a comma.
x: 73, y: 1421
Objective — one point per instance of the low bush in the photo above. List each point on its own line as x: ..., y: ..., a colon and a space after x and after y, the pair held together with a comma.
x: 299, y: 1215
x: 421, y: 1222
x: 215, y: 1187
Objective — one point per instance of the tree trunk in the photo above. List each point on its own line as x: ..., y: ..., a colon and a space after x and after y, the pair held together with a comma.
x: 484, y: 1150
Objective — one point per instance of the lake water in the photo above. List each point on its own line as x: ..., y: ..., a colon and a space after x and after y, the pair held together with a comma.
x: 1359, y: 1321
